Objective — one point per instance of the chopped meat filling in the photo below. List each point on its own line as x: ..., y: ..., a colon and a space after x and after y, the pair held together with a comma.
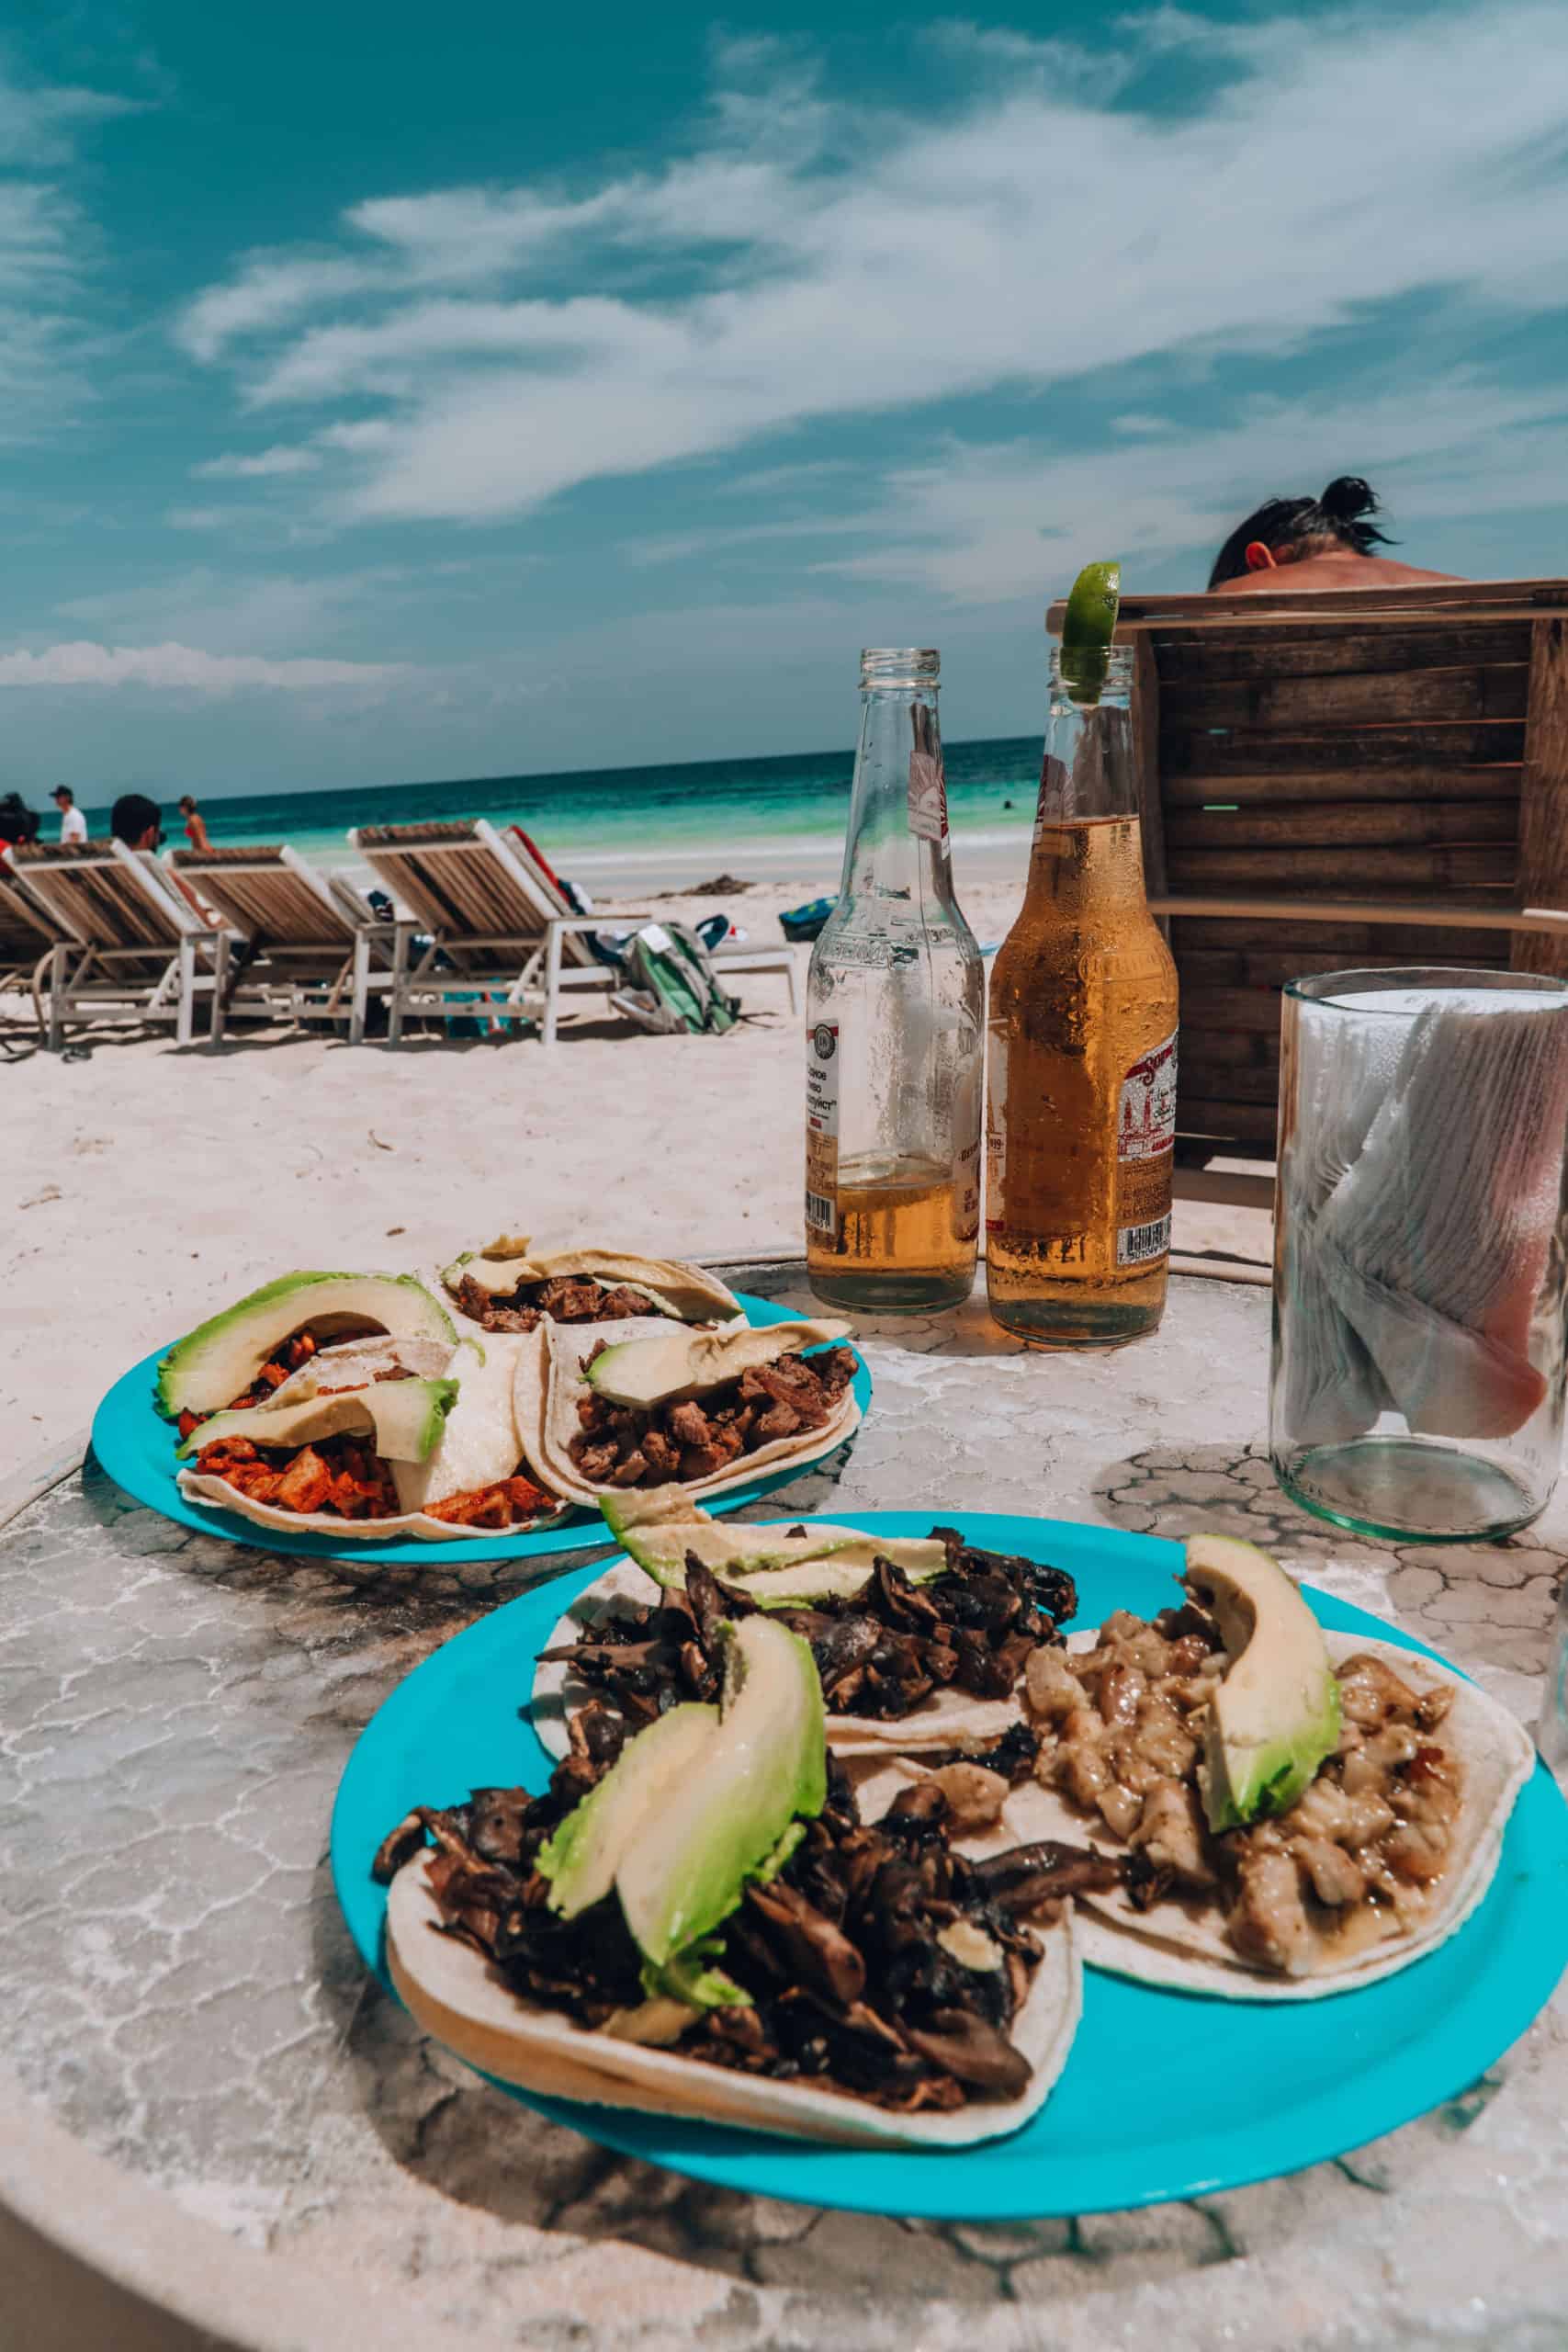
x: 1353, y: 1860
x: 620, y: 1445
x: 564, y: 1298
x: 340, y: 1475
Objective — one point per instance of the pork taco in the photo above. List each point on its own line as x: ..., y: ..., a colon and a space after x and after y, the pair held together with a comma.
x: 510, y: 1286
x: 919, y: 1643
x: 696, y: 1920
x: 606, y: 1409
x: 346, y: 1404
x: 1295, y: 1813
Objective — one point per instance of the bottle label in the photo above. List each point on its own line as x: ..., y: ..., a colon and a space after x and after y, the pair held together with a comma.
x: 966, y: 1193
x: 822, y: 1129
x: 1145, y: 1156
x: 996, y: 1130
x: 928, y: 798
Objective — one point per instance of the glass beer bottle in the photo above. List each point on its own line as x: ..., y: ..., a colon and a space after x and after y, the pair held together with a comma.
x: 895, y: 1046
x: 1080, y: 1125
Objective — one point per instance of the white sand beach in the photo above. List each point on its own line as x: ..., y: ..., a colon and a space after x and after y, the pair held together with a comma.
x: 144, y: 1187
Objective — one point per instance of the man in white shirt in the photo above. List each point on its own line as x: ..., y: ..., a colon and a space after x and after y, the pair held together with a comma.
x: 73, y: 824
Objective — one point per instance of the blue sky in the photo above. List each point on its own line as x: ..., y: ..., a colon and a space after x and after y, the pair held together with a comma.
x: 390, y: 392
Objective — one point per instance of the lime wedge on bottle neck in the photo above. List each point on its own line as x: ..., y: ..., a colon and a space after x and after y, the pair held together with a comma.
x: 1088, y: 627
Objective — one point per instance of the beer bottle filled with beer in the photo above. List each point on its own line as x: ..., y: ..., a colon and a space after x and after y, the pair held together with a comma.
x: 1081, y: 1126
x: 895, y: 1043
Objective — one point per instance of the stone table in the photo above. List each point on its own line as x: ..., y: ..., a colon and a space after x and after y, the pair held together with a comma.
x: 226, y: 2117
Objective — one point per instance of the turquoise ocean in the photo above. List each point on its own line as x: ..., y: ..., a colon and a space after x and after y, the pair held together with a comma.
x: 780, y: 818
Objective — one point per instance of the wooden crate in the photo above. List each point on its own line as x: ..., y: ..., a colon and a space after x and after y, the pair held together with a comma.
x: 1371, y: 778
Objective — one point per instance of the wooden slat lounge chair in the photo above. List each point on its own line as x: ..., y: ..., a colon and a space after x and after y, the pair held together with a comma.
x: 502, y: 928
x: 132, y: 945
x: 28, y: 935
x: 312, y: 942
x: 1370, y: 777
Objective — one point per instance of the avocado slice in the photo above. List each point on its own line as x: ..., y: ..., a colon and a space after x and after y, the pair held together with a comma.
x: 405, y: 1417
x: 765, y: 1764
x: 221, y: 1357
x: 582, y: 1857
x: 1275, y: 1715
x: 768, y: 1562
x: 677, y: 1365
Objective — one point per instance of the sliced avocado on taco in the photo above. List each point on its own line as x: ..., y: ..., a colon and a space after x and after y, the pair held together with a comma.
x: 703, y: 1411
x: 509, y: 1286
x: 1301, y: 1812
x: 694, y: 1922
x: 271, y: 1331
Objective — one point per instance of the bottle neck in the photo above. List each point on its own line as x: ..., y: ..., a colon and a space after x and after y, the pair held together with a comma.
x: 897, y: 844
x: 1087, y: 844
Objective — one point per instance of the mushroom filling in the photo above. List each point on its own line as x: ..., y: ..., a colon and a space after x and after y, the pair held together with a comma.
x: 624, y: 1445
x: 1351, y: 1864
x: 562, y: 1298
x: 876, y: 1961
x: 878, y: 1653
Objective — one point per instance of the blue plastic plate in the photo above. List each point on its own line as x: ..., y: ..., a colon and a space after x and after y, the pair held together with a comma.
x: 136, y: 1445
x: 1166, y: 2095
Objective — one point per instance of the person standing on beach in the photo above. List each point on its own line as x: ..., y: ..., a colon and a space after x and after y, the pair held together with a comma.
x: 196, y: 824
x: 73, y: 824
x: 1313, y: 544
x: 137, y: 822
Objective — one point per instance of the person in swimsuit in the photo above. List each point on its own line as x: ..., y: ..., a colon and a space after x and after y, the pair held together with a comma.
x: 196, y: 824
x: 1313, y: 544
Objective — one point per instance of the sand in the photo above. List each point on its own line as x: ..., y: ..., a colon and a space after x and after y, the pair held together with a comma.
x: 145, y: 1187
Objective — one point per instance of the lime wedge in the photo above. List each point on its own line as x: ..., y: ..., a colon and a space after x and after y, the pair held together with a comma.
x: 1087, y: 629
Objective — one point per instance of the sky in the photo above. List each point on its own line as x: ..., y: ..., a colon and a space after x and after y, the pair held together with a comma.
x: 390, y: 392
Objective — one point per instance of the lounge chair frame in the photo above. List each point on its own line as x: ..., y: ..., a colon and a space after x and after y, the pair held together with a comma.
x: 318, y: 949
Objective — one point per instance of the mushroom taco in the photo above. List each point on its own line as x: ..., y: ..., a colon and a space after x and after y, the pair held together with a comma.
x: 604, y: 1408
x: 509, y: 1286
x: 696, y: 1920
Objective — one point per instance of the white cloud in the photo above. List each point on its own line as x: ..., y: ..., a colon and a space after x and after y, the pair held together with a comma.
x: 172, y: 665
x: 278, y: 459
x: 803, y: 260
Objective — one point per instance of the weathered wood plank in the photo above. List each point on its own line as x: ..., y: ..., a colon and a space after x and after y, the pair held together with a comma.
x: 1277, y: 784
x: 1252, y: 1008
x: 1251, y: 750
x: 1235, y: 1083
x: 1290, y: 933
x: 1259, y: 968
x: 1237, y: 654
x: 1228, y: 1048
x: 1382, y: 824
x: 1146, y: 756
x: 1207, y: 1114
x: 1543, y: 807
x: 1342, y: 871
x: 1306, y: 607
x: 1373, y: 699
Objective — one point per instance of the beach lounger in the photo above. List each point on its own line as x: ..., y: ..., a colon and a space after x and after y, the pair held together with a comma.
x: 1369, y: 777
x: 131, y: 943
x: 28, y: 935
x: 498, y: 923
x: 312, y: 943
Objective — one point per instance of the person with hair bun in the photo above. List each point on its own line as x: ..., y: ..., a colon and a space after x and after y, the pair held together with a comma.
x: 1310, y: 544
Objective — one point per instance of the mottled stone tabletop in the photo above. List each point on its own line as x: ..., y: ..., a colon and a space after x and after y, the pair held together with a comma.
x: 182, y: 1998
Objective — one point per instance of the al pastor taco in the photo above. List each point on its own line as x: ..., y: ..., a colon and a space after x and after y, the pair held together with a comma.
x: 510, y: 1286
x: 697, y: 1921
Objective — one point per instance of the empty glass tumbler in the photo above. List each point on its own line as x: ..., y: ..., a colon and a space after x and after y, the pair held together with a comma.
x: 1419, y: 1250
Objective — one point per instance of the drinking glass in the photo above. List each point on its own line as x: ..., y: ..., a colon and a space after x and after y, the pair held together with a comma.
x: 1417, y: 1379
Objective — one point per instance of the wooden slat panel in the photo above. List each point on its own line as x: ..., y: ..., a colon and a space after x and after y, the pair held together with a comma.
x: 1236, y: 652
x: 1226, y: 1049
x: 1384, y: 824
x: 1543, y: 826
x: 1253, y: 1009
x: 1202, y: 1115
x: 1237, y: 1084
x: 1342, y: 872
x: 1251, y: 750
x: 1146, y: 756
x: 1362, y: 698
x: 1346, y: 942
x: 1252, y: 967
x: 1305, y: 608
x: 1397, y: 783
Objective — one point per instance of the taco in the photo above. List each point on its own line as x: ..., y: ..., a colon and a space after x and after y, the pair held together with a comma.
x: 695, y: 1921
x: 372, y: 1437
x: 919, y: 1643
x: 604, y: 1408
x: 1358, y: 1848
x: 508, y: 1286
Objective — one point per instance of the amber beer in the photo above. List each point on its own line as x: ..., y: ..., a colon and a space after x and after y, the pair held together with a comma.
x: 1080, y: 1125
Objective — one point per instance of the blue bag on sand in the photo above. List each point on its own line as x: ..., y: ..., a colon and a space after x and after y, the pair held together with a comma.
x: 804, y: 922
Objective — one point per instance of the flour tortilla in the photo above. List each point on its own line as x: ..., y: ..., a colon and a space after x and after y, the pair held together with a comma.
x: 453, y: 1992
x: 688, y: 1294
x: 550, y: 1384
x: 480, y: 1446
x: 948, y: 1719
x: 1182, y: 1946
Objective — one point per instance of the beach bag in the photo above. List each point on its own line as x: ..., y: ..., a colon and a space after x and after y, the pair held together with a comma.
x: 670, y: 983
x: 806, y: 922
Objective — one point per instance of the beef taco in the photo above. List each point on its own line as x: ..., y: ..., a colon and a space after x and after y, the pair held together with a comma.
x: 1306, y: 1812
x: 697, y: 1921
x: 510, y: 1286
x: 604, y: 1408
x: 919, y: 1643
